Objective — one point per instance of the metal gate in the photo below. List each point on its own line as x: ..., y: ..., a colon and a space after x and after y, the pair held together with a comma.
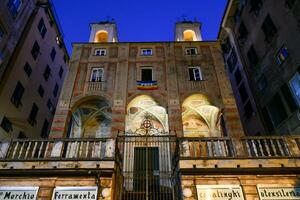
x: 148, y: 166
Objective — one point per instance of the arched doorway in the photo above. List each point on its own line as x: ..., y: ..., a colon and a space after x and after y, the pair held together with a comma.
x: 91, y: 119
x: 200, y: 118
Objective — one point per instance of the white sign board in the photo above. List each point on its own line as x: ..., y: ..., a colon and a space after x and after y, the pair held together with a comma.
x: 20, y: 193
x: 85, y: 193
x: 220, y: 192
x: 276, y: 192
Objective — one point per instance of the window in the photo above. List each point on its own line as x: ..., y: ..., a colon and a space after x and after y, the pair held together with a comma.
x: 146, y: 52
x: 6, y: 124
x: 295, y: 87
x: 191, y: 51
x: 255, y: 6
x: 65, y: 58
x: 33, y: 114
x: 50, y: 106
x: 226, y: 46
x: 17, y: 95
x: 14, y: 7
x: 243, y: 93
x: 100, y: 52
x: 35, y: 50
x: 248, y: 109
x: 47, y: 73
x: 41, y: 91
x: 195, y: 74
x: 231, y: 61
x: 262, y: 83
x: 61, y: 72
x: 269, y: 28
x: 44, y: 132
x: 22, y: 135
x: 96, y: 75
x: 53, y: 54
x: 42, y: 28
x: 276, y: 110
x: 55, y: 91
x: 243, y: 32
x: 146, y: 74
x: 237, y: 76
x: 1, y: 32
x: 27, y: 69
x: 288, y: 97
x: 252, y: 56
x: 282, y: 55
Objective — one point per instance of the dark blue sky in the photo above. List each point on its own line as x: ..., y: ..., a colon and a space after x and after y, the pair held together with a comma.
x: 137, y: 20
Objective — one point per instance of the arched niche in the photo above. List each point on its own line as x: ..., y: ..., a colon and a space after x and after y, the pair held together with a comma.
x: 200, y: 118
x: 101, y: 36
x: 142, y: 106
x: 90, y: 119
x: 189, y: 35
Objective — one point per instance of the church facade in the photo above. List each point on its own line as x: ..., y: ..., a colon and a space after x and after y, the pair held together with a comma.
x: 149, y: 120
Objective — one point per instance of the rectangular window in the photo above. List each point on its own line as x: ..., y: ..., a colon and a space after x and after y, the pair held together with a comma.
x: 53, y: 54
x: 100, y: 52
x: 146, y: 74
x: 282, y: 55
x: 50, y: 106
x: 55, y: 91
x: 42, y: 28
x: 191, y: 51
x: 255, y: 6
x: 35, y: 50
x: 226, y: 46
x: 295, y: 87
x: 45, y: 131
x: 41, y: 91
x: 252, y: 56
x: 33, y: 114
x: 146, y: 52
x: 243, y: 32
x: 22, y: 135
x: 243, y: 93
x: 17, y: 95
x: 96, y: 75
x: 61, y: 72
x: 268, y: 28
x: 27, y: 69
x: 6, y: 124
x: 276, y: 110
x: 14, y: 7
x: 237, y: 76
x: 195, y: 74
x: 47, y: 73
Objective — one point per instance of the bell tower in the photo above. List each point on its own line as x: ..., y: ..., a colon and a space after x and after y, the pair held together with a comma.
x: 104, y: 31
x: 188, y: 31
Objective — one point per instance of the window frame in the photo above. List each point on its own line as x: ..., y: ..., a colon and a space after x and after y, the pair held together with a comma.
x: 144, y: 52
x: 47, y: 73
x: 35, y: 50
x: 13, y: 8
x: 98, y: 78
x: 41, y: 91
x: 6, y: 127
x: 295, y: 96
x: 277, y: 57
x: 16, y: 97
x: 102, y: 52
x: 53, y: 54
x: 27, y: 69
x: 188, y: 51
x: 61, y: 72
x: 42, y: 27
x: 33, y: 114
x: 141, y: 72
x: 194, y: 74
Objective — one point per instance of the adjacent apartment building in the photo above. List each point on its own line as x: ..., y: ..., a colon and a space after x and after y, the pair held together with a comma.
x: 149, y: 120
x: 261, y: 47
x: 34, y: 63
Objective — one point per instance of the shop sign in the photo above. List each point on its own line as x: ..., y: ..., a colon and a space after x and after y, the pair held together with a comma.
x: 278, y: 193
x: 85, y: 193
x: 19, y: 193
x: 220, y: 192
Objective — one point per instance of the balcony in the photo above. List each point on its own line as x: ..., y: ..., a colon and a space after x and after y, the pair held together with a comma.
x: 96, y: 86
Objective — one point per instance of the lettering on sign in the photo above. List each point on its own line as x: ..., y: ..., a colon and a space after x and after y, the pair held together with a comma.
x: 20, y: 193
x: 220, y: 192
x: 278, y: 193
x: 86, y: 193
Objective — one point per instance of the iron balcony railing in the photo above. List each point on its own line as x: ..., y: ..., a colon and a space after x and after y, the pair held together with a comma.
x: 58, y: 149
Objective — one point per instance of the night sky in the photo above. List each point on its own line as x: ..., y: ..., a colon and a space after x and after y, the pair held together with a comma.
x: 137, y: 20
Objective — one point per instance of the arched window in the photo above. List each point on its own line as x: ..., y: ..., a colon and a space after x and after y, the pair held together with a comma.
x: 200, y: 118
x: 189, y: 35
x: 101, y: 36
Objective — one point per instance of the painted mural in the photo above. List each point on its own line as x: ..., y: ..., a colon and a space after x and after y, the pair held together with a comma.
x: 143, y: 106
x: 200, y: 118
x: 92, y: 119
